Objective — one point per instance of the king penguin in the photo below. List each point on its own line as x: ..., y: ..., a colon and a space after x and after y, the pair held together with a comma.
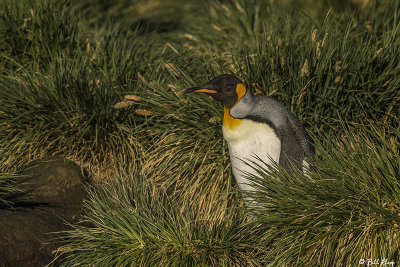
x: 257, y: 128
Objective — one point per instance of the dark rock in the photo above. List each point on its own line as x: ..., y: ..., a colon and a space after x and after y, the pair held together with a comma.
x: 55, y: 180
x: 55, y: 195
x: 27, y: 238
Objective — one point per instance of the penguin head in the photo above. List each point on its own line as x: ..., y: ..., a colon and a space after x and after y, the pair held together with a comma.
x: 225, y: 88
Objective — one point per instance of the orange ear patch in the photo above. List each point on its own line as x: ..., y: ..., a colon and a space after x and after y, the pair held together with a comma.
x: 230, y: 121
x: 209, y: 91
x: 240, y: 90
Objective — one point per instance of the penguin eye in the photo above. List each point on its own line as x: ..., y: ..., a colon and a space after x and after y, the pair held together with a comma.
x: 232, y: 89
x: 228, y: 89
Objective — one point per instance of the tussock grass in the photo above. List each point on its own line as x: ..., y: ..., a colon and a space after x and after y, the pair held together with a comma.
x: 346, y: 210
x: 64, y: 102
x: 137, y: 224
x: 314, y: 66
x: 101, y: 84
x: 190, y: 179
x: 36, y: 33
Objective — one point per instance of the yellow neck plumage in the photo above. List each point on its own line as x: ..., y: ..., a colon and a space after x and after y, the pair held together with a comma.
x: 230, y: 121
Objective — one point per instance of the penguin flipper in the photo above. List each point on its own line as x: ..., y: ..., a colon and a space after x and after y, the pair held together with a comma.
x: 296, y: 144
x: 303, y: 137
x: 291, y: 150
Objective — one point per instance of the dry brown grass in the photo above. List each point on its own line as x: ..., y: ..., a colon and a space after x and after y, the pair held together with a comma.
x: 194, y: 181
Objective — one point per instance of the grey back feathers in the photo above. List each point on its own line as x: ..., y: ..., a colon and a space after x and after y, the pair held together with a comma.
x: 296, y: 144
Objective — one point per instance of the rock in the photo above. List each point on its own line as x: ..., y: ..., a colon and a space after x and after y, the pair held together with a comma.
x: 55, y: 195
x: 54, y: 180
x: 26, y: 237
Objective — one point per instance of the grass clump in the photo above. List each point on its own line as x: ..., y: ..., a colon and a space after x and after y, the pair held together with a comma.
x: 346, y: 210
x: 64, y: 102
x: 136, y: 224
x: 36, y: 33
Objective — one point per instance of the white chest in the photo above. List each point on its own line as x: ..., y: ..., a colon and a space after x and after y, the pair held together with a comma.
x: 247, y: 141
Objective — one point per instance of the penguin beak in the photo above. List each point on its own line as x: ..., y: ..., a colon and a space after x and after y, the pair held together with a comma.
x: 200, y: 89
